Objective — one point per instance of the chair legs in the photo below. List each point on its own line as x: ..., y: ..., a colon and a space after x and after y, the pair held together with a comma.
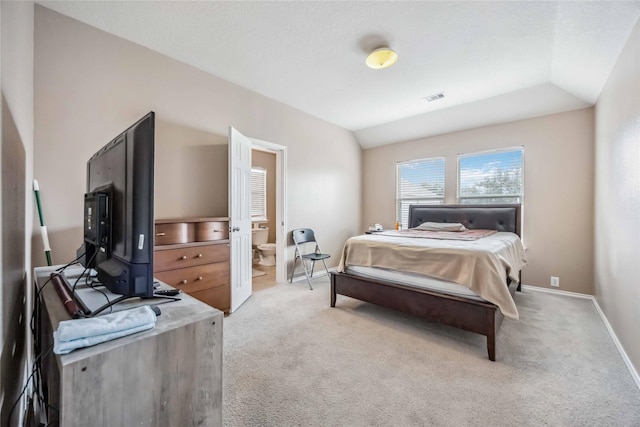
x: 306, y: 271
x: 293, y: 269
x: 307, y: 274
x: 295, y: 260
x: 326, y: 269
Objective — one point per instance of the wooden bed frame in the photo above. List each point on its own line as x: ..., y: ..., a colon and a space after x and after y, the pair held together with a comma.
x: 476, y: 316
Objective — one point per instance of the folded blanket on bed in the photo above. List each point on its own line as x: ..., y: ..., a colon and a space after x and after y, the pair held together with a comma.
x: 77, y: 333
x: 482, y: 265
x: 440, y: 235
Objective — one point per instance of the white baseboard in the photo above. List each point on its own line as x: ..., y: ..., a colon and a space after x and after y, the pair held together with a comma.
x: 607, y: 325
x: 316, y: 274
x: 557, y: 292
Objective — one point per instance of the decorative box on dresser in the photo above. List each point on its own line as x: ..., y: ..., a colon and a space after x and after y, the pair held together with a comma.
x: 192, y: 254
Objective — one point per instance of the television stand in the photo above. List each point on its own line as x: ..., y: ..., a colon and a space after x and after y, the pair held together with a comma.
x: 171, y: 372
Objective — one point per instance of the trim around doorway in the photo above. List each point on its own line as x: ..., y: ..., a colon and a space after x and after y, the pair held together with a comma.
x: 281, y: 212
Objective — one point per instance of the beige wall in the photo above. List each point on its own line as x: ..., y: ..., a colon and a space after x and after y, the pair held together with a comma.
x: 16, y: 201
x: 558, y: 188
x: 268, y: 162
x: 90, y: 85
x: 191, y: 172
x: 617, y: 198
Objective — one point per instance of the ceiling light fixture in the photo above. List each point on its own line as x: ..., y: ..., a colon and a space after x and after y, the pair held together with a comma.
x: 382, y: 57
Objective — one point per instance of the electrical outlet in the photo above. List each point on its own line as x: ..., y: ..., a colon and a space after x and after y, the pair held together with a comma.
x: 555, y: 282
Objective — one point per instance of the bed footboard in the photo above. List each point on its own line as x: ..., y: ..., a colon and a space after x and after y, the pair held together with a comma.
x: 474, y: 316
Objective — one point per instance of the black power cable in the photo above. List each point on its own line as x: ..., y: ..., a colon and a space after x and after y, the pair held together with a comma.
x: 34, y: 322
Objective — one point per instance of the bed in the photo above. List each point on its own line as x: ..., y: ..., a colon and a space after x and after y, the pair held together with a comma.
x: 471, y: 311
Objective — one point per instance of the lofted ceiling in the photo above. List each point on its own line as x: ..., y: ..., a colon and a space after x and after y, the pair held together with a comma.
x: 495, y: 61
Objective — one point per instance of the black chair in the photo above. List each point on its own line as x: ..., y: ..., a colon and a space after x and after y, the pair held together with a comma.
x: 301, y: 238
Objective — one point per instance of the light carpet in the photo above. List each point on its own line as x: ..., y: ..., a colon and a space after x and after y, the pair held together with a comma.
x: 292, y: 360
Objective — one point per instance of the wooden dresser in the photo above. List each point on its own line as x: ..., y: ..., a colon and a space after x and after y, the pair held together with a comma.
x: 192, y: 254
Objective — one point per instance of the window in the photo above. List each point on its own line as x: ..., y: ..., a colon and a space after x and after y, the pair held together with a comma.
x: 491, y: 177
x: 258, y: 194
x: 418, y: 182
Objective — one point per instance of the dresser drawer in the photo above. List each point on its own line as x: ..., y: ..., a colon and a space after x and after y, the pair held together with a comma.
x: 211, y: 230
x: 171, y: 259
x: 219, y: 297
x: 173, y: 233
x: 193, y: 279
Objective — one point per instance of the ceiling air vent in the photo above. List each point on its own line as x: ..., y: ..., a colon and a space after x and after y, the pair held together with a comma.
x: 434, y: 97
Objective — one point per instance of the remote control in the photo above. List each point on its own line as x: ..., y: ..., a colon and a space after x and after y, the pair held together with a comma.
x: 168, y: 292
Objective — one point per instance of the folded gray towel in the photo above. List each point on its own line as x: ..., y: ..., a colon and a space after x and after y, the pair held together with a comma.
x: 77, y: 333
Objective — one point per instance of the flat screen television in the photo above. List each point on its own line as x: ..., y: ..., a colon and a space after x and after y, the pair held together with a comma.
x: 118, y: 211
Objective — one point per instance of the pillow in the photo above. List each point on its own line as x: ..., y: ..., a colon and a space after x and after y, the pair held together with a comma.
x: 441, y: 226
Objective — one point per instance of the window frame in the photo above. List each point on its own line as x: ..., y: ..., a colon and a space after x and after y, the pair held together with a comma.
x: 460, y: 199
x: 429, y: 200
x: 263, y: 171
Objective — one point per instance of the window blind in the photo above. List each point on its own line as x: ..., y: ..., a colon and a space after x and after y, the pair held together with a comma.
x: 258, y: 193
x: 418, y: 182
x: 491, y: 177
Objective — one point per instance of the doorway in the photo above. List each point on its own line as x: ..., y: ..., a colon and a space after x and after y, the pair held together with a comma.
x: 269, y: 262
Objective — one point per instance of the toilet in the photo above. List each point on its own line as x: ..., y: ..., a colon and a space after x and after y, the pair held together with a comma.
x: 267, y: 254
x: 264, y: 253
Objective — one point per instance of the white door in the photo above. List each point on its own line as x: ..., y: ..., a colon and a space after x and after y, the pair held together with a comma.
x: 240, y: 217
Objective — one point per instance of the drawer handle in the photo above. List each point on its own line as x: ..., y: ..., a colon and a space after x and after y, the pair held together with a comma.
x: 218, y: 231
x: 183, y: 257
x: 199, y: 255
x: 184, y: 282
x: 161, y: 234
x: 200, y: 278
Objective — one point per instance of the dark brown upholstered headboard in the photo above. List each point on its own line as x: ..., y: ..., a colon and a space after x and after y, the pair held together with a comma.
x: 491, y: 217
